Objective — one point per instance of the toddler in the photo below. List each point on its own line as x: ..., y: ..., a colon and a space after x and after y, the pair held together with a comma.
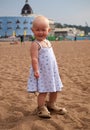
x: 44, y: 76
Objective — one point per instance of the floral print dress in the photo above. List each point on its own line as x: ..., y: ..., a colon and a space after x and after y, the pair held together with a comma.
x: 49, y: 79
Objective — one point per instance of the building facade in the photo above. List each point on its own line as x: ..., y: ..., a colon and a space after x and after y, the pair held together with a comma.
x: 17, y: 25
x: 20, y: 25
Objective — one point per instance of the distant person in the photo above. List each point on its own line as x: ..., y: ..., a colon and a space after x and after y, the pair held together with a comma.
x: 75, y: 38
x: 22, y: 39
x: 44, y: 75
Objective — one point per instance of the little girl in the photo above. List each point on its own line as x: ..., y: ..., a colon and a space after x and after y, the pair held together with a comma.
x: 44, y: 76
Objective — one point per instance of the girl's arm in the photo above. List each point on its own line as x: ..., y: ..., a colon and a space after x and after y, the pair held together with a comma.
x: 34, y: 58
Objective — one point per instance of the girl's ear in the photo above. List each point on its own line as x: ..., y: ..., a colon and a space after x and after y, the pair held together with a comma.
x: 49, y: 29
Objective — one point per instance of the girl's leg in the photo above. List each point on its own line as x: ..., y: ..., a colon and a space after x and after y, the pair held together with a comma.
x: 52, y: 106
x: 41, y: 99
x: 52, y: 97
x: 42, y: 110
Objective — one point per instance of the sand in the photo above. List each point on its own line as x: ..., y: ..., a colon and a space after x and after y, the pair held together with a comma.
x: 17, y: 105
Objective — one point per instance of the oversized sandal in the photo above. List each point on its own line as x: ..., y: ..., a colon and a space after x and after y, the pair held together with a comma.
x: 43, y: 112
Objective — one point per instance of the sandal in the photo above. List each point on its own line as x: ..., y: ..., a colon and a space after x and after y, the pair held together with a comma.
x: 56, y: 109
x: 43, y: 112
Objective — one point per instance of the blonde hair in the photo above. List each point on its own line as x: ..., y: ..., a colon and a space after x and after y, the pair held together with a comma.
x: 40, y: 19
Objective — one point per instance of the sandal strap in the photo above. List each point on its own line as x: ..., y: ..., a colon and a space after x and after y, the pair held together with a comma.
x: 43, y: 112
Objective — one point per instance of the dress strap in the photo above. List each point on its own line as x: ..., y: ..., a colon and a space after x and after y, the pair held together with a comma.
x: 47, y: 41
x: 38, y: 43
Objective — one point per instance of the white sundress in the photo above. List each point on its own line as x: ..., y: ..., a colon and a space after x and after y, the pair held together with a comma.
x: 49, y: 79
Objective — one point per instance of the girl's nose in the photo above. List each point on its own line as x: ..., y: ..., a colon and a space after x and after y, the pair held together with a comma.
x: 40, y: 32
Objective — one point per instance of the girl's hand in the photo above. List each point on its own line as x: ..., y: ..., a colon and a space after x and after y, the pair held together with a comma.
x: 36, y: 74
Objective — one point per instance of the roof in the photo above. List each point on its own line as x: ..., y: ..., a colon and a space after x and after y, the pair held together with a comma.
x: 26, y: 10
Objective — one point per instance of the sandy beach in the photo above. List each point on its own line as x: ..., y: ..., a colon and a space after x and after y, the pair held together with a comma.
x: 17, y: 105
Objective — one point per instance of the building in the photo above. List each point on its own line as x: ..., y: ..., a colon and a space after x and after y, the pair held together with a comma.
x: 15, y: 26
x: 72, y: 32
x: 19, y: 25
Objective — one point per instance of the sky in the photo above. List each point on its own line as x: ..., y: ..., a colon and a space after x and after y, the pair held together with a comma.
x: 74, y: 12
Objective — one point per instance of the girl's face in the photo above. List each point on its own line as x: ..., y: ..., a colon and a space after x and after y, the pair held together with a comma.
x: 40, y: 31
